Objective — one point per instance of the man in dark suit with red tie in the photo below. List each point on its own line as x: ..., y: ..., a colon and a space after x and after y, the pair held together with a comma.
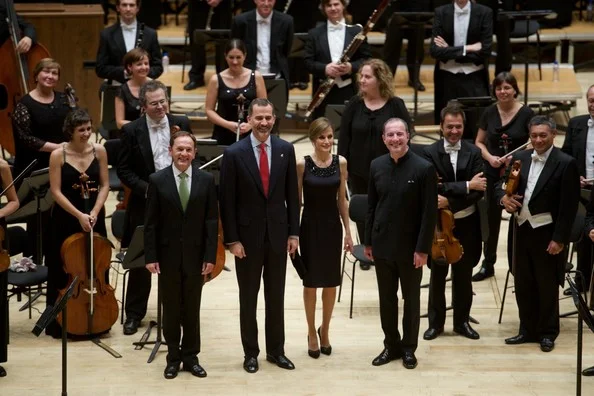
x: 260, y: 213
x: 459, y: 165
x: 116, y: 40
x: 544, y: 208
x: 180, y: 244
x: 144, y: 150
x: 579, y: 143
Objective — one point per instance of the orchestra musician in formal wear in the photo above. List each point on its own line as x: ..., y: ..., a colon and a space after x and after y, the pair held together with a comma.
x: 180, y: 244
x: 260, y: 214
x: 199, y: 12
x: 503, y: 127
x: 224, y: 89
x: 9, y: 208
x: 402, y: 210
x: 579, y: 143
x: 268, y: 37
x: 27, y: 28
x: 589, y: 234
x: 321, y: 178
x: 144, y: 150
x: 544, y: 207
x: 127, y: 103
x: 361, y: 127
x: 67, y: 163
x: 461, y: 45
x: 459, y: 167
x: 120, y: 38
x: 323, y: 50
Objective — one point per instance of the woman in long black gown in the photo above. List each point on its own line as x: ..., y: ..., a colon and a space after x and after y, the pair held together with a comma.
x: 322, y: 186
x: 67, y: 163
x: 11, y: 206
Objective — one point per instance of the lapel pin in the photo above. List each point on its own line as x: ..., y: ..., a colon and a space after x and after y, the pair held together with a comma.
x: 282, y: 155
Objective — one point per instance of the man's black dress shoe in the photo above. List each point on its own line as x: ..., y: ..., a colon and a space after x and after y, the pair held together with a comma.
x: 250, y: 364
x: 483, y: 274
x: 3, y: 372
x: 384, y: 357
x: 409, y: 360
x: 171, y: 371
x: 195, y: 369
x: 467, y: 331
x: 589, y: 372
x: 302, y: 86
x: 326, y: 350
x: 431, y: 333
x: 364, y: 266
x: 420, y: 86
x: 131, y: 326
x: 515, y: 340
x: 193, y: 84
x: 547, y: 345
x: 281, y: 361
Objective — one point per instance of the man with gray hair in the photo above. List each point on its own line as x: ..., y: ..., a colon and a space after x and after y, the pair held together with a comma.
x: 401, y: 215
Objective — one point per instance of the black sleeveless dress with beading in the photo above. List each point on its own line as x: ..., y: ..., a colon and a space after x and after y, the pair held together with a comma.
x: 227, y: 108
x: 320, y: 239
x: 131, y: 103
x: 63, y: 224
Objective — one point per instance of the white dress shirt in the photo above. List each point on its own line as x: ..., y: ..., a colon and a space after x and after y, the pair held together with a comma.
x: 263, y: 36
x: 461, y: 22
x: 336, y: 36
x: 256, y: 146
x: 159, y: 134
x: 590, y: 152
x: 540, y: 219
x: 453, y: 151
x: 129, y: 33
x: 177, y: 172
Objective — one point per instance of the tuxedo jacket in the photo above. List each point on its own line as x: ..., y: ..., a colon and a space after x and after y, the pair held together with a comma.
x: 176, y: 239
x: 402, y: 206
x: 27, y: 29
x: 136, y: 164
x: 557, y: 190
x: 575, y: 141
x: 317, y: 53
x: 245, y: 28
x: 248, y: 215
x: 453, y: 187
x: 112, y: 49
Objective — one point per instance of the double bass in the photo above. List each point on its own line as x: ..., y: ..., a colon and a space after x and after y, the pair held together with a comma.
x: 15, y: 72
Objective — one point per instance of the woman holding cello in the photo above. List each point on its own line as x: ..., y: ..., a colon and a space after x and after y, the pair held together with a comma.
x: 73, y: 158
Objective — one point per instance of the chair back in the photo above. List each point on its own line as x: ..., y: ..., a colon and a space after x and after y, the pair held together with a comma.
x: 117, y: 223
x: 358, y: 208
x: 577, y: 229
x: 580, y: 303
x: 108, y: 122
x: 112, y: 147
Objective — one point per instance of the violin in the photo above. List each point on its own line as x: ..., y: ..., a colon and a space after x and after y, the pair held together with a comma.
x: 513, y: 179
x: 92, y: 308
x: 446, y: 248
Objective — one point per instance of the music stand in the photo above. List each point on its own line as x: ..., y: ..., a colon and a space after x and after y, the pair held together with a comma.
x: 219, y: 37
x: 278, y: 94
x: 50, y: 314
x: 534, y: 15
x: 416, y: 22
x: 473, y: 108
x: 208, y: 150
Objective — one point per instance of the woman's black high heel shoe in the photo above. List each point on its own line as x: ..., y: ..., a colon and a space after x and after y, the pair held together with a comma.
x: 326, y: 350
x: 311, y: 352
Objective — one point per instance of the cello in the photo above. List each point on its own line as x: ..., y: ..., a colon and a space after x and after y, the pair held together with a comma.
x: 15, y: 72
x: 446, y: 248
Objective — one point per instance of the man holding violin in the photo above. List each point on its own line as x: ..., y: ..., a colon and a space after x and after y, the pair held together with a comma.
x: 459, y: 166
x: 544, y: 206
x: 180, y: 244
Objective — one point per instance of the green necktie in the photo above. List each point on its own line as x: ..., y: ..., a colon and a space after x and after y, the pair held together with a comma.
x: 184, y: 191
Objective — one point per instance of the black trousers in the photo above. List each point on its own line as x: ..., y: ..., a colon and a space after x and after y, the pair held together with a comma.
x: 3, y: 316
x: 537, y: 282
x: 263, y: 263
x: 197, y: 18
x: 584, y: 262
x: 415, y: 51
x: 494, y: 222
x: 468, y: 232
x: 181, y: 294
x: 389, y: 273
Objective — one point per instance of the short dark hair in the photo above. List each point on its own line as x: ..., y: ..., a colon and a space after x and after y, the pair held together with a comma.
x: 151, y: 86
x: 73, y: 120
x: 392, y: 120
x: 542, y: 120
x: 260, y: 102
x: 133, y: 56
x: 179, y: 134
x: 454, y: 109
x: 506, y: 77
x: 137, y: 3
x: 235, y: 43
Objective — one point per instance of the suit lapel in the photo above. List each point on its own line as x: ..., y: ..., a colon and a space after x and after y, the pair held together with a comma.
x: 195, y: 184
x: 445, y: 162
x: 274, y: 28
x: 249, y: 159
x: 524, y: 171
x: 462, y: 163
x: 583, y: 140
x: 448, y: 24
x: 547, y: 172
x: 253, y: 28
x: 144, y: 142
x: 277, y: 157
x: 349, y: 33
x: 324, y: 41
x: 118, y: 38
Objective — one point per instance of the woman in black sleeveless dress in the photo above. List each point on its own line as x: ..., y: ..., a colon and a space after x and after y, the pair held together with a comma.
x: 67, y: 163
x: 11, y: 206
x: 223, y: 90
x: 322, y: 184
x: 127, y: 103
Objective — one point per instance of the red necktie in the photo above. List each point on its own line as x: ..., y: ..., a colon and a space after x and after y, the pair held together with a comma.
x: 264, y: 172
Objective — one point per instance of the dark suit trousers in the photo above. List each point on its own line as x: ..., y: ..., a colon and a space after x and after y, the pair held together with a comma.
x: 468, y: 232
x: 536, y: 282
x: 584, y: 262
x: 388, y: 274
x: 272, y: 266
x: 180, y: 294
x: 415, y: 52
x: 494, y: 222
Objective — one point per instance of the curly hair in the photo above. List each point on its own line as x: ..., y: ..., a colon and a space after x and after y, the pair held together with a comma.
x: 383, y: 74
